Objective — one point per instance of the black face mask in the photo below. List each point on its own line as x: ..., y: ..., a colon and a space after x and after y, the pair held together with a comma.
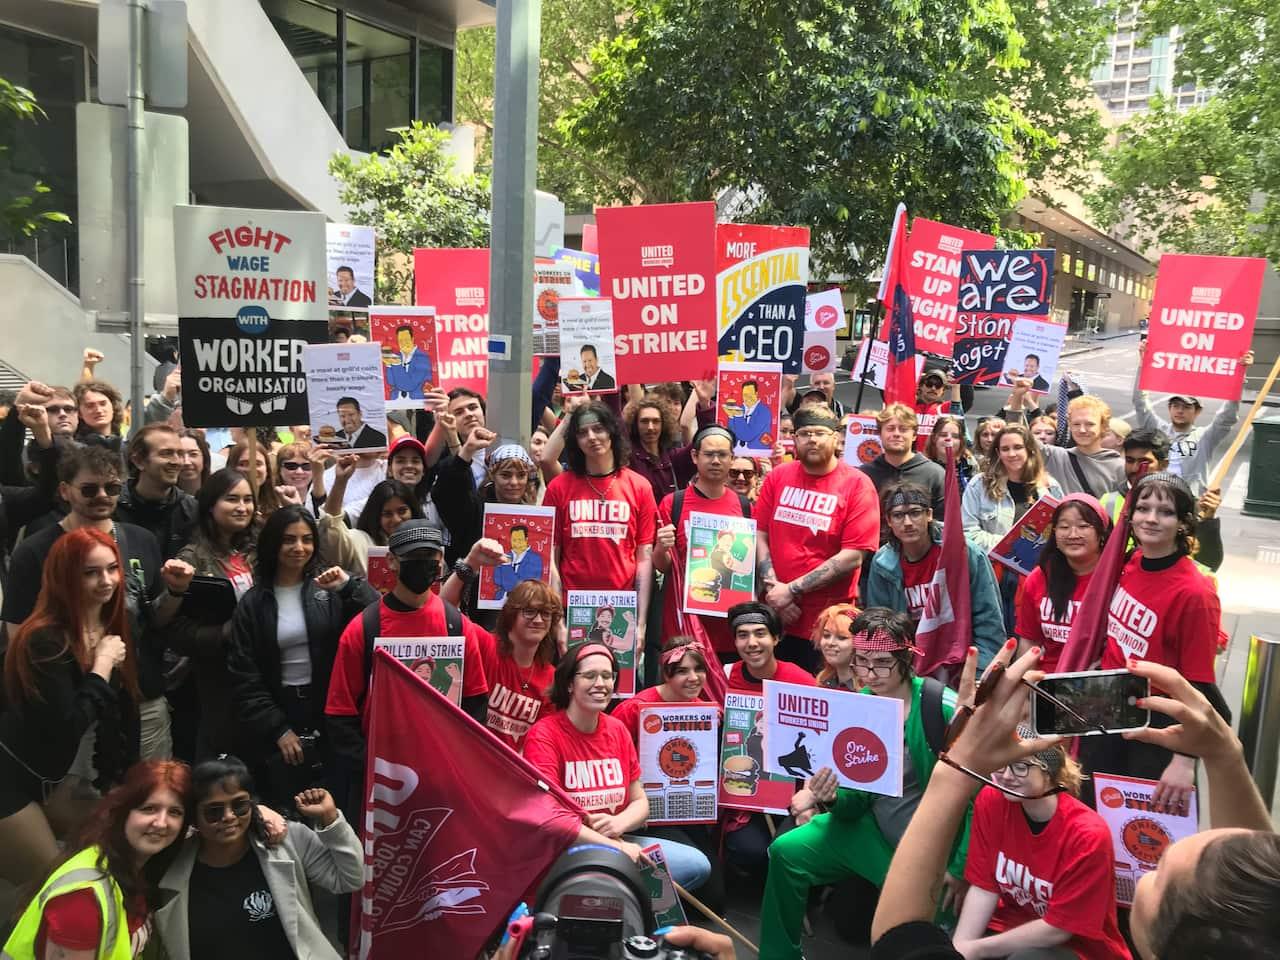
x: 419, y: 573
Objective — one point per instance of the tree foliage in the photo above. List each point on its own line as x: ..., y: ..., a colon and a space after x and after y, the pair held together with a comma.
x: 414, y: 197
x: 25, y: 209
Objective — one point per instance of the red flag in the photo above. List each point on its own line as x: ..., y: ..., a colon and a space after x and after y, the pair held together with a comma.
x: 900, y: 375
x: 946, y: 625
x: 457, y: 826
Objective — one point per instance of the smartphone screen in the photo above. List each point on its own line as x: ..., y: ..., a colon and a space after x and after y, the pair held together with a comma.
x: 1105, y: 697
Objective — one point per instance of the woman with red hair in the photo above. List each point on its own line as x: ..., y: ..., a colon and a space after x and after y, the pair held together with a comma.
x: 71, y: 690
x: 96, y: 904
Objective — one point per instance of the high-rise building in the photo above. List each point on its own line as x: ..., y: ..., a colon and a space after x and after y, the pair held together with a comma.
x: 1134, y: 71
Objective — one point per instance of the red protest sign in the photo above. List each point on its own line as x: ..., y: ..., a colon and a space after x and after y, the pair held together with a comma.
x: 456, y: 283
x: 933, y: 279
x: 1202, y: 324
x: 658, y: 263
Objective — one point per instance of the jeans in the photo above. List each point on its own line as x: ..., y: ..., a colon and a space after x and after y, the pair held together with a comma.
x: 156, y: 738
x: 688, y: 865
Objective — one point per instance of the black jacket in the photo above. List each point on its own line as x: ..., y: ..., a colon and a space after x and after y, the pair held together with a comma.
x: 170, y: 520
x: 253, y: 659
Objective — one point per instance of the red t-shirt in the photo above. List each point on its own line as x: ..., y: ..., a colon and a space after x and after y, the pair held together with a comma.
x: 729, y: 504
x: 627, y: 712
x: 926, y: 416
x: 916, y: 575
x: 808, y: 520
x: 1062, y: 875
x: 596, y: 769
x: 74, y: 922
x: 600, y: 523
x: 517, y: 698
x: 1167, y: 616
x: 1036, y: 623
x: 350, y: 677
x: 787, y: 672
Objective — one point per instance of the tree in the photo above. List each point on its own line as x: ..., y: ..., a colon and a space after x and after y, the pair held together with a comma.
x: 24, y: 199
x: 415, y: 198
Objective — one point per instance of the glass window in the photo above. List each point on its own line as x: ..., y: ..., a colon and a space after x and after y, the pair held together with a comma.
x: 435, y: 83
x: 1140, y: 71
x: 378, y: 94
x: 1128, y: 285
x: 1066, y: 263
x: 1079, y: 267
x: 310, y: 34
x: 1091, y: 272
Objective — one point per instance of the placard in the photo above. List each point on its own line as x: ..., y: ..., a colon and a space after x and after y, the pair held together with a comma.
x: 658, y: 263
x: 858, y: 736
x: 586, y: 269
x: 762, y: 274
x: 878, y: 367
x: 437, y: 660
x: 1033, y: 353
x: 997, y: 287
x: 378, y: 571
x: 933, y: 272
x: 354, y: 322
x: 252, y: 264
x: 819, y: 354
x: 678, y: 748
x: 344, y: 396
x: 608, y: 617
x: 349, y: 257
x: 720, y: 563
x: 526, y: 534
x: 456, y: 283
x: 667, y: 909
x: 1139, y: 833
x: 587, y: 359
x: 745, y: 784
x: 824, y: 311
x: 551, y: 281
x: 244, y: 372
x: 1202, y: 318
x: 862, y: 440
x: 407, y: 338
x: 1019, y: 549
x: 748, y: 402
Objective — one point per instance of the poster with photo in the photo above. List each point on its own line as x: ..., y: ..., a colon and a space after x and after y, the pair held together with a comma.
x: 861, y: 440
x: 748, y: 400
x: 678, y: 746
x: 608, y: 617
x: 1033, y: 353
x: 997, y: 288
x: 1019, y: 549
x: 551, y: 281
x: 437, y: 660
x: 526, y: 534
x: 348, y: 323
x: 345, y: 398
x: 349, y: 254
x: 667, y: 909
x: 586, y: 345
x: 407, y: 339
x: 378, y: 571
x: 1139, y: 833
x: 745, y: 784
x: 720, y: 564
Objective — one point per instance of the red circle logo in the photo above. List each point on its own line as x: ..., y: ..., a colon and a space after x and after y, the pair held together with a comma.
x: 817, y: 357
x: 868, y: 450
x: 1111, y: 797
x: 859, y: 754
x: 826, y: 316
x: 652, y: 723
x: 855, y: 427
x: 1146, y: 840
x: 677, y: 758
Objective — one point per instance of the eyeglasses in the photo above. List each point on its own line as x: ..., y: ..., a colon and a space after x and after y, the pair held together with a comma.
x: 216, y: 812
x: 296, y: 465
x: 876, y: 669
x: 535, y: 613
x: 591, y: 676
x: 912, y: 513
x: 817, y: 433
x: 1019, y: 768
x: 111, y: 489
x: 741, y: 474
x: 716, y: 454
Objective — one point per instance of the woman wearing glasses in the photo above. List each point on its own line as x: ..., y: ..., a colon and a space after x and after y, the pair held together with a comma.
x: 1040, y: 868
x: 232, y: 895
x: 592, y: 756
x: 744, y: 477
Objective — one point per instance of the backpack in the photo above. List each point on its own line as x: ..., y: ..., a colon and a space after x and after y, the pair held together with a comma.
x: 677, y: 506
x: 371, y: 624
x: 931, y: 715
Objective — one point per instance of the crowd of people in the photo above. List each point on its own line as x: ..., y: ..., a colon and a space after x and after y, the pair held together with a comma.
x: 189, y: 620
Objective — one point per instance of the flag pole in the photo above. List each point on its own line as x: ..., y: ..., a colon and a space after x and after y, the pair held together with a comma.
x: 714, y: 917
x: 1221, y: 473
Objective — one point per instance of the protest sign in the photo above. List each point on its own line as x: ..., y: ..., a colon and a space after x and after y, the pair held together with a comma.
x: 551, y: 281
x: 587, y: 359
x: 1139, y: 833
x: 266, y: 263
x: 407, y: 338
x: 244, y: 372
x: 744, y: 782
x: 585, y: 267
x: 1019, y: 549
x: 862, y: 440
x: 344, y: 396
x: 819, y: 354
x: 456, y: 283
x: 667, y: 910
x: 378, y: 571
x: 658, y: 264
x: 1202, y: 320
x: 678, y: 749
x: 720, y: 565
x: 877, y: 366
x: 354, y: 323
x: 824, y: 311
x: 749, y: 398
x: 349, y: 254
x: 933, y: 273
x: 1033, y: 353
x: 762, y: 274
x: 608, y: 617
x: 526, y: 533
x: 997, y: 287
x: 858, y: 736
x: 437, y: 660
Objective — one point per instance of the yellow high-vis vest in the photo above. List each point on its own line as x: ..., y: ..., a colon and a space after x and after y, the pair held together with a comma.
x: 81, y: 872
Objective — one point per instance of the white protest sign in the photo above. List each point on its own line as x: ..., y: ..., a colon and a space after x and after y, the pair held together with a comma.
x: 586, y: 345
x: 879, y: 364
x: 1033, y: 352
x: 862, y: 440
x: 824, y: 311
x: 1139, y: 834
x: 349, y: 257
x: 819, y: 354
x: 679, y: 751
x: 344, y: 396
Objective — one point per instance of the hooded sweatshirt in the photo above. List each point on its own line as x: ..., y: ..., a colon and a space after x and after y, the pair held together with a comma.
x: 1102, y: 471
x: 919, y: 470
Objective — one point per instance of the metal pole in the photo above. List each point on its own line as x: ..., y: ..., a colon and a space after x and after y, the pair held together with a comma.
x: 515, y: 154
x: 135, y: 133
x: 1260, y: 714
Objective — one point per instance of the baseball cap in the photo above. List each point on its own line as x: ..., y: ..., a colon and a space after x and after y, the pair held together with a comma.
x: 933, y: 375
x: 415, y: 535
x: 1185, y: 399
x: 407, y: 443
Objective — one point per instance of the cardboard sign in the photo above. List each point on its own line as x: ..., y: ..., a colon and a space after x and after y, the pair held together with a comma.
x: 667, y: 910
x: 1019, y: 549
x: 658, y: 264
x: 586, y: 269
x: 819, y: 354
x: 933, y: 275
x: 862, y: 441
x: 824, y: 311
x: 527, y: 534
x: 720, y: 564
x: 551, y: 281
x: 378, y: 571
x: 1033, y: 353
x: 608, y: 617
x: 250, y: 264
x: 344, y: 396
x: 745, y: 784
x: 858, y: 736
x: 1202, y: 320
x: 762, y: 274
x: 244, y: 372
x: 877, y: 367
x: 748, y: 402
x: 1139, y: 834
x: 587, y: 358
x: 407, y: 337
x: 437, y: 660
x: 349, y: 254
x: 456, y: 283
x: 678, y: 749
x: 997, y: 287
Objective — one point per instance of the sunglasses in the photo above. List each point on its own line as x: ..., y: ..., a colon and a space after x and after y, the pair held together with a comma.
x: 111, y: 489
x: 744, y: 474
x: 296, y: 465
x: 55, y: 409
x: 216, y: 812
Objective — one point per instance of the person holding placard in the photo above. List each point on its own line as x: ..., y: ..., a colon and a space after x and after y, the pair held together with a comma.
x: 1088, y: 466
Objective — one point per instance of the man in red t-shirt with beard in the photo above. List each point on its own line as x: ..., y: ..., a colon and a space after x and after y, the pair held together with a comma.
x: 816, y: 516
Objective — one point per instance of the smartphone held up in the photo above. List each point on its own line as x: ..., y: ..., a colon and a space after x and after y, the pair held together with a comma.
x: 1089, y: 702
